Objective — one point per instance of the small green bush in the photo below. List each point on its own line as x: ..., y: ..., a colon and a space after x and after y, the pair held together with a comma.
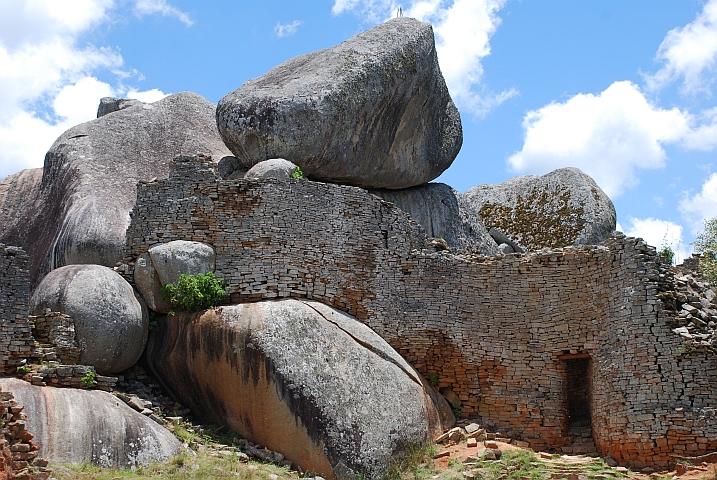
x: 23, y: 369
x: 195, y: 292
x: 457, y: 408
x: 433, y: 379
x: 89, y: 379
x: 297, y: 173
x: 667, y: 255
x: 706, y: 244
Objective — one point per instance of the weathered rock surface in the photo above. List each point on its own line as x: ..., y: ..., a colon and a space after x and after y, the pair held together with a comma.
x: 564, y: 207
x: 80, y: 426
x: 298, y: 377
x: 272, y: 168
x: 164, y: 263
x: 79, y: 212
x: 443, y: 214
x: 230, y: 168
x: 112, y: 104
x: 111, y: 322
x: 373, y: 111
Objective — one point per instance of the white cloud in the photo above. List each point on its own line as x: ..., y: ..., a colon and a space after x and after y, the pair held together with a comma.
x: 152, y: 7
x: 659, y: 233
x: 700, y: 206
x: 47, y: 81
x: 689, y: 53
x: 463, y: 30
x: 609, y: 136
x: 148, y: 96
x: 286, y: 29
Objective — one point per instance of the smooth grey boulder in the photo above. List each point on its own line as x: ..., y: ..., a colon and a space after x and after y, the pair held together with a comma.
x: 443, y: 214
x: 373, y: 111
x: 230, y: 168
x: 564, y: 207
x: 79, y: 212
x: 90, y: 426
x: 173, y: 259
x: 298, y: 377
x: 112, y: 104
x: 503, y: 239
x: 149, y: 285
x: 19, y: 198
x: 164, y: 263
x: 272, y: 168
x: 111, y: 321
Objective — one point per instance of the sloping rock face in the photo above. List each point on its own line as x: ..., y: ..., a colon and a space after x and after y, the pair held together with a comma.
x: 564, y: 207
x: 79, y: 212
x: 443, y: 214
x: 373, y: 111
x: 111, y: 323
x: 90, y: 426
x: 298, y: 377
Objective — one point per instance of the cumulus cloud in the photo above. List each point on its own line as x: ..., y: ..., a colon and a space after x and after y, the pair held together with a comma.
x: 147, y: 96
x: 47, y: 81
x: 689, y: 53
x: 609, y: 136
x: 287, y: 29
x: 153, y: 7
x: 700, y: 206
x: 463, y: 30
x: 659, y: 233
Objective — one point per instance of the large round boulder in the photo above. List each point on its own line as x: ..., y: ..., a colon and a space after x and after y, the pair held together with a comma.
x: 164, y: 263
x: 79, y: 212
x: 443, y: 214
x: 111, y: 321
x: 373, y: 111
x: 272, y: 168
x: 564, y: 207
x: 90, y: 426
x: 298, y: 377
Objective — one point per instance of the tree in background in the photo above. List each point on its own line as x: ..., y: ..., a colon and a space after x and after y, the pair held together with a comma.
x: 706, y: 244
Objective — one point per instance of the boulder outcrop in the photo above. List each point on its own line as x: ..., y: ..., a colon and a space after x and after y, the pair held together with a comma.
x: 111, y: 322
x: 443, y: 214
x: 272, y: 168
x: 373, y: 111
x: 564, y: 207
x: 298, y: 377
x: 79, y: 211
x: 90, y: 426
x: 164, y: 263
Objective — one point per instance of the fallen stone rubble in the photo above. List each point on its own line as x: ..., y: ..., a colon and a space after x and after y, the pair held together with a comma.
x: 693, y: 306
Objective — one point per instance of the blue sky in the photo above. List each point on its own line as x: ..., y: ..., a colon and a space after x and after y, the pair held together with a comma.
x: 622, y: 90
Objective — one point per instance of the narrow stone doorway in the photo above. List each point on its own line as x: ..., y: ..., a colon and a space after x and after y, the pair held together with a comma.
x: 578, y: 375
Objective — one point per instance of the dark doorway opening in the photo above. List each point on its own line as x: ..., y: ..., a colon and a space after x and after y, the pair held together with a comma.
x: 578, y: 402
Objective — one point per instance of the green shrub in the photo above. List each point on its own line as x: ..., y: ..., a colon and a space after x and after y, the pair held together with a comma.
x: 667, y: 255
x: 297, y: 173
x: 706, y: 244
x: 23, y: 369
x: 89, y: 379
x: 457, y: 408
x: 195, y: 292
x: 433, y: 379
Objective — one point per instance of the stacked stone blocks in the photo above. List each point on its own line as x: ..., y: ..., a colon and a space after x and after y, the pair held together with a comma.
x: 16, y: 342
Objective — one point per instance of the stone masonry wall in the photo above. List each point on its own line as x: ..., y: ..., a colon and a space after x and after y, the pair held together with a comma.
x: 16, y: 342
x: 499, y: 331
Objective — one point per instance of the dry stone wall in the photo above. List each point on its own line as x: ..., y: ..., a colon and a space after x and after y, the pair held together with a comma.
x: 16, y: 342
x: 502, y: 332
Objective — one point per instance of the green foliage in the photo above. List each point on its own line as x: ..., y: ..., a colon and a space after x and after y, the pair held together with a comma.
x: 23, y: 369
x: 667, y: 255
x: 89, y: 379
x: 433, y: 379
x: 297, y: 173
x: 195, y: 292
x: 457, y: 408
x: 706, y: 244
x: 416, y: 463
x: 153, y: 321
